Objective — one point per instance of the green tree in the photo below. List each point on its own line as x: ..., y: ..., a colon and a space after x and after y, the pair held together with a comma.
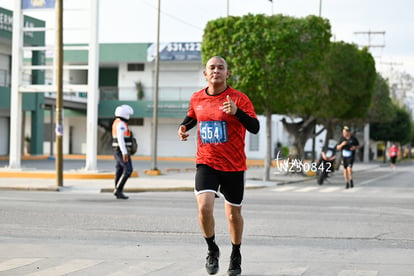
x: 402, y: 126
x: 411, y: 143
x: 276, y: 60
x: 398, y: 129
x: 349, y: 79
x: 382, y: 108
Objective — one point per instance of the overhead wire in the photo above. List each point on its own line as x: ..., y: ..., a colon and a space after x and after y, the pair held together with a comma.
x: 173, y: 16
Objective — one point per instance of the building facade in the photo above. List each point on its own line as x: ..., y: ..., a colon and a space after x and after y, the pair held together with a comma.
x: 126, y: 76
x: 32, y: 103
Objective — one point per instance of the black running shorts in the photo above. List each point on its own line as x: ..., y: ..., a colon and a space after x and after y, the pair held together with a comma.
x: 230, y: 184
x: 347, y: 162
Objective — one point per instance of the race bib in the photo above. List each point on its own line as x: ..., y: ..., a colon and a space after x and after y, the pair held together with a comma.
x: 213, y: 132
x: 346, y: 153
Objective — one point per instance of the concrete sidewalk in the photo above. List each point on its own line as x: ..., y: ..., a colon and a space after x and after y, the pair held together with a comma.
x: 174, y: 180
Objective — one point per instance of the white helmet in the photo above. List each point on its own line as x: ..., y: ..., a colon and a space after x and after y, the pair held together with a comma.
x: 124, y: 111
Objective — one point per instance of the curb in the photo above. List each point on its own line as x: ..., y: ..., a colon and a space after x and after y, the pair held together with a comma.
x: 143, y: 190
x: 17, y: 173
x: 27, y: 188
x: 66, y: 175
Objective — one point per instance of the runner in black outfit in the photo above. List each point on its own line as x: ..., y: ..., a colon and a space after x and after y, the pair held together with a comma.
x: 348, y: 144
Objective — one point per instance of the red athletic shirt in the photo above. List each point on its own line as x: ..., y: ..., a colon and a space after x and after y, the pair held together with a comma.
x: 221, y: 136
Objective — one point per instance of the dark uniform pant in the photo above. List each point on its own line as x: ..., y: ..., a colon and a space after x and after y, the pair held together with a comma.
x: 123, y: 170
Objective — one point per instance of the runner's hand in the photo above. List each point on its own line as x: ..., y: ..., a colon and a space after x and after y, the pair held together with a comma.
x: 182, y: 134
x: 229, y: 106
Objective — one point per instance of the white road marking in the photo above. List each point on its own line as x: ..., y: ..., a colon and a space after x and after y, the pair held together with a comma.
x: 357, y: 273
x: 285, y: 189
x: 68, y: 267
x: 306, y: 189
x: 330, y: 189
x: 17, y: 262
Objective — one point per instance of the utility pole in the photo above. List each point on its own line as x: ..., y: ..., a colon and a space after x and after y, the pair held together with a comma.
x: 369, y: 45
x: 320, y: 8
x: 394, y: 80
x: 389, y: 73
x: 391, y: 64
x: 272, y: 7
x: 370, y: 35
x: 228, y: 8
x: 154, y: 170
x: 59, y: 93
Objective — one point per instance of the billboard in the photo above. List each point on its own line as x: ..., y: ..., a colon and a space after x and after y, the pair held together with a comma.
x: 177, y: 51
x: 30, y: 38
x: 38, y: 4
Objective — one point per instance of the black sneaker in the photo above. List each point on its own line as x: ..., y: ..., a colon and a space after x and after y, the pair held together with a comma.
x: 234, y: 267
x: 120, y: 195
x: 212, y: 262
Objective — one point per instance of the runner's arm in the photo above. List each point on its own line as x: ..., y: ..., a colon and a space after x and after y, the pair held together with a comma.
x: 189, y: 123
x: 251, y: 124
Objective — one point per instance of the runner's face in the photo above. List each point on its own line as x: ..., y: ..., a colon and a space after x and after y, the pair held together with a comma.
x: 346, y: 133
x: 216, y: 71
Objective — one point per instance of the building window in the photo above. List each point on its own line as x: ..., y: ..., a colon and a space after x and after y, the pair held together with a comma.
x: 5, y: 68
x: 253, y: 142
x: 4, y: 78
x: 136, y: 66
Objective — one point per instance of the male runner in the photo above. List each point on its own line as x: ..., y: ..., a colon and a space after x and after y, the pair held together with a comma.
x: 222, y: 115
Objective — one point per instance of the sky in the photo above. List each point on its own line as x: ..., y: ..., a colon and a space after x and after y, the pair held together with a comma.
x: 131, y: 21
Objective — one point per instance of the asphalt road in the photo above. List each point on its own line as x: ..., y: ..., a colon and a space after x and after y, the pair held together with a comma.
x: 296, y: 229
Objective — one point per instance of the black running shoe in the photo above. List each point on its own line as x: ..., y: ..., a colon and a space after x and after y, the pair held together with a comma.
x: 212, y: 262
x: 120, y: 195
x: 234, y: 267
